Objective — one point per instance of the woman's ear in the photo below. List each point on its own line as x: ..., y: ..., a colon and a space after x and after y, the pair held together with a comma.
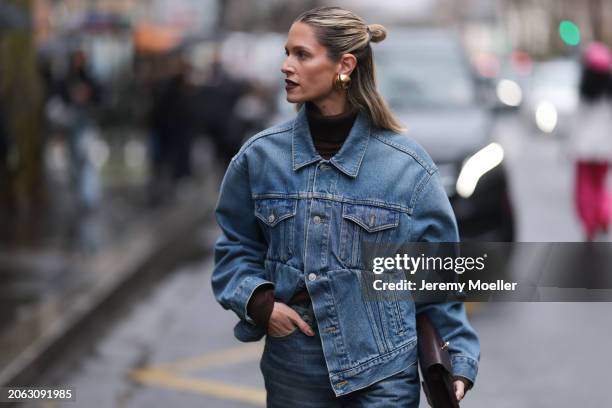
x: 348, y: 62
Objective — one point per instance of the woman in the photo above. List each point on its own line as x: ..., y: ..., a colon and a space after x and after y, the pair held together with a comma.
x: 296, y: 204
x: 591, y: 142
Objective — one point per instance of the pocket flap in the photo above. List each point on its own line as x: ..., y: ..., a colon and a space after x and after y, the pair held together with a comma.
x: 369, y: 217
x: 273, y: 210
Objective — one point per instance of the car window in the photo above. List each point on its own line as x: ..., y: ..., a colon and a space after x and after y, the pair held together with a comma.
x: 417, y: 78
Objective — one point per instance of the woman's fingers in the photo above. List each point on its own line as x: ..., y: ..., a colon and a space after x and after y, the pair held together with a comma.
x: 280, y: 324
x: 299, y: 322
x: 459, y: 389
x: 284, y: 319
x: 279, y: 330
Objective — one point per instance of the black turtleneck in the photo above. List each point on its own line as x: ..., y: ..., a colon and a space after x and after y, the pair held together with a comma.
x: 329, y: 132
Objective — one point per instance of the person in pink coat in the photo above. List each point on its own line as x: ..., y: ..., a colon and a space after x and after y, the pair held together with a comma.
x: 591, y: 141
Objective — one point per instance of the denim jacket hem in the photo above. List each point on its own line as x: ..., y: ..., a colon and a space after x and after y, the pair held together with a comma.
x: 374, y: 370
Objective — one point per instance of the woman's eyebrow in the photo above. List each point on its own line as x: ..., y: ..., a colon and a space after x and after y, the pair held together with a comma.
x: 298, y: 48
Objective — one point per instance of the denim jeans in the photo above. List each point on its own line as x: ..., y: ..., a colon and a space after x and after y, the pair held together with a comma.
x: 296, y: 375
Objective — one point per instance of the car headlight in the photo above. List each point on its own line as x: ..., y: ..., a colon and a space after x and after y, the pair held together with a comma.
x: 509, y: 92
x: 546, y: 117
x: 477, y: 166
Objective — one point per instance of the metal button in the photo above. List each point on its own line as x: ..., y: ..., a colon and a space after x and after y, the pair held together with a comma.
x: 317, y: 219
x: 325, y: 167
x: 312, y: 276
x: 271, y: 218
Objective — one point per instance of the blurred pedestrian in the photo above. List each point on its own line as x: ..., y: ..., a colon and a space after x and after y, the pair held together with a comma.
x: 172, y: 127
x: 73, y: 108
x: 218, y: 98
x: 591, y: 141
x: 296, y: 206
x: 252, y: 111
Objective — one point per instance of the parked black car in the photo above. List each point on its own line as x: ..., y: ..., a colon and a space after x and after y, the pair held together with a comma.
x: 426, y: 78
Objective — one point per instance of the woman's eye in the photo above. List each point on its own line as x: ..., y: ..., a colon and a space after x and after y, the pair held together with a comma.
x: 299, y: 54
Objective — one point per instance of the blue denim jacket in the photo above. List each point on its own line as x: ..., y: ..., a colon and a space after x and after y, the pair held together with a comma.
x: 293, y: 219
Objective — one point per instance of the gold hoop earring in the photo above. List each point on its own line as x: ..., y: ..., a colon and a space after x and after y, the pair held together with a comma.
x: 342, y: 81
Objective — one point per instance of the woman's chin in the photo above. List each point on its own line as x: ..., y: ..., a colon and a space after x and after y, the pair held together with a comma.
x: 292, y: 99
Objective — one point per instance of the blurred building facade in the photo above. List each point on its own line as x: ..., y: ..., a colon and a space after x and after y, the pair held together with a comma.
x: 532, y: 25
x: 114, y: 33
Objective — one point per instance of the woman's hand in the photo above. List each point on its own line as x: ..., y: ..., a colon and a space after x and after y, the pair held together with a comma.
x: 283, y: 321
x: 459, y: 387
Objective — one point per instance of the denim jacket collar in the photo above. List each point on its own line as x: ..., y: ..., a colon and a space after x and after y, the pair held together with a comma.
x: 347, y: 160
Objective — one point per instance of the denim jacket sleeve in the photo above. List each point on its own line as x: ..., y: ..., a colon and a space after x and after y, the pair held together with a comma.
x: 436, y: 222
x: 240, y: 250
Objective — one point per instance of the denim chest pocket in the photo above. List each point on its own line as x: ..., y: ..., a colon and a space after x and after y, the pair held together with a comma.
x: 361, y: 223
x: 278, y: 216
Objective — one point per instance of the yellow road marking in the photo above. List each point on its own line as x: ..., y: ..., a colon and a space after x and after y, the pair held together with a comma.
x: 206, y: 387
x: 168, y: 375
x: 213, y: 359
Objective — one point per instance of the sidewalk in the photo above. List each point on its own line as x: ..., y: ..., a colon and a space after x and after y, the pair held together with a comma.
x: 61, y: 267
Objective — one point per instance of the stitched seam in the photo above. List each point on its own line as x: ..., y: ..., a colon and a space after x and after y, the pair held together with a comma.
x: 293, y: 146
x: 276, y: 221
x: 410, y: 152
x: 370, y: 383
x: 294, y: 166
x: 381, y: 357
x: 418, y: 189
x: 353, y: 172
x: 237, y: 160
x: 364, y: 149
x: 336, y: 198
x: 464, y: 358
x: 367, y: 227
x: 269, y: 132
x: 291, y: 213
x: 244, y: 282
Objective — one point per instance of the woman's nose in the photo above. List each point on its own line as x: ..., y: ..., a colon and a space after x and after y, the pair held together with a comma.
x: 286, y: 68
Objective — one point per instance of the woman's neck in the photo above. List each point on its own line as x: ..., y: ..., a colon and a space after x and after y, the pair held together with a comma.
x: 333, y: 105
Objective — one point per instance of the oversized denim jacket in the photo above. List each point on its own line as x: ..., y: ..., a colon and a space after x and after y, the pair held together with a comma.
x: 293, y: 219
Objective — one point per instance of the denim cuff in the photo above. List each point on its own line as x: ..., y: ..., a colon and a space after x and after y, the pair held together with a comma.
x: 243, y: 294
x: 466, y: 367
x: 260, y: 305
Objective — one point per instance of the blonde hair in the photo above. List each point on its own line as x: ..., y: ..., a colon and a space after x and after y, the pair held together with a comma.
x: 341, y: 31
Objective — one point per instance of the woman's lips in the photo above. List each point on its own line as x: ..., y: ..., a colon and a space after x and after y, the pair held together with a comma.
x: 290, y: 84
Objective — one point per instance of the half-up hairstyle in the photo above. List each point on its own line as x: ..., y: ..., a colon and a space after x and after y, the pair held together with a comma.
x: 341, y: 32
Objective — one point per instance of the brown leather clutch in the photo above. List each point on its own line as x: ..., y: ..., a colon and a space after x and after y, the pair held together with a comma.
x: 436, y: 369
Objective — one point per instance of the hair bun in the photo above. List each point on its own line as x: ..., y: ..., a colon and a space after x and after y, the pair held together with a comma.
x: 377, y: 32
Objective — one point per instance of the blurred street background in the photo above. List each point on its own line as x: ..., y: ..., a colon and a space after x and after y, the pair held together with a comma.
x: 117, y: 121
